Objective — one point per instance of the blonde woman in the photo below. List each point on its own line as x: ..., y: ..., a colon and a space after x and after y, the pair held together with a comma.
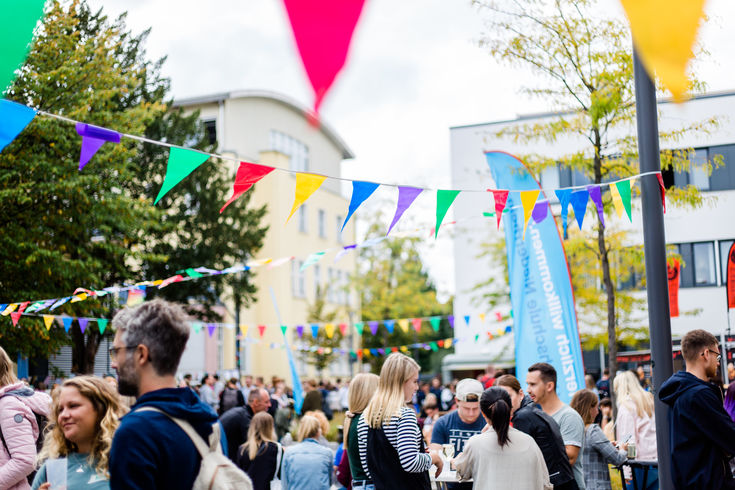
x: 361, y: 390
x: 323, y: 422
x: 261, y: 455
x: 85, y: 414
x: 19, y: 427
x: 636, y: 423
x: 307, y: 465
x: 392, y: 449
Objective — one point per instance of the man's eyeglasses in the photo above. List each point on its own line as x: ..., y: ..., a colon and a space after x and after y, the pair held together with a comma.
x: 115, y: 350
x: 719, y: 356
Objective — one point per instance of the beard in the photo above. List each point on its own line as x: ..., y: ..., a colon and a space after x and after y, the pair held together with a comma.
x: 127, y: 379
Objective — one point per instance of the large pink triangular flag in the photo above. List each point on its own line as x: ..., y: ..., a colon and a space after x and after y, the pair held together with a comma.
x: 323, y: 31
x: 247, y: 175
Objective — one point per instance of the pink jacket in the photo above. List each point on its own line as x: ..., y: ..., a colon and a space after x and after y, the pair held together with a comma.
x: 641, y: 430
x: 20, y: 431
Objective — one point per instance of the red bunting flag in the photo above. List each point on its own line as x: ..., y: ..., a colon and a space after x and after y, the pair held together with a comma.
x: 261, y: 330
x: 23, y: 306
x: 673, y: 273
x: 343, y: 328
x: 15, y: 316
x: 247, y: 175
x: 500, y: 198
x: 663, y: 190
x: 416, y: 323
x: 731, y: 278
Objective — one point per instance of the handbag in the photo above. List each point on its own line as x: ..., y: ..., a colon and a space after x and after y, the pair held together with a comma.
x: 276, y: 481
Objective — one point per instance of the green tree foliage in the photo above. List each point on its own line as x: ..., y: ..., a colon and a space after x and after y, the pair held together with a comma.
x: 63, y: 228
x: 582, y: 66
x: 393, y: 284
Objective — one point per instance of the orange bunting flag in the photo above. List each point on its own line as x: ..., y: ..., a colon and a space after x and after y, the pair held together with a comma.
x: 664, y: 33
x: 306, y: 185
x: 528, y: 199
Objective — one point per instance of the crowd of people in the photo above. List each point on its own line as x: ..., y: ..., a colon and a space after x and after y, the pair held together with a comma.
x: 146, y: 429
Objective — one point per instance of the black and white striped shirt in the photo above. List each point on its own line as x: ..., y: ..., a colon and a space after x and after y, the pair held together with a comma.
x: 404, y: 435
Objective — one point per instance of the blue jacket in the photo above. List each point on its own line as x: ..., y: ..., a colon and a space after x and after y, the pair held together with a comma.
x: 149, y: 451
x: 307, y: 466
x: 702, y: 433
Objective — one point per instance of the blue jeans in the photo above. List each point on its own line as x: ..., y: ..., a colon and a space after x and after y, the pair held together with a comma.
x: 362, y: 484
x: 651, y: 482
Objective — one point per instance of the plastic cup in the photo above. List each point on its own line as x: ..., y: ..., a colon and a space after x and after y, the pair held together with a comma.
x: 56, y: 473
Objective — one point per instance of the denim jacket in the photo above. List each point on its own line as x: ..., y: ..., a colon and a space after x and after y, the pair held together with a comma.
x: 307, y: 466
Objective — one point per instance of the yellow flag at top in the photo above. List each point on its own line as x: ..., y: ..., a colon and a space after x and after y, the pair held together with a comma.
x: 528, y: 199
x: 48, y: 320
x: 329, y: 329
x: 306, y: 185
x: 664, y: 32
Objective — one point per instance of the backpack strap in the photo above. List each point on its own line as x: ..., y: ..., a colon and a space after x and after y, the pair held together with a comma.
x: 279, y: 460
x: 198, y: 441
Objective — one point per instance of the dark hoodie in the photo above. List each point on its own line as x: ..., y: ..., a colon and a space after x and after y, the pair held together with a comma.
x: 702, y: 434
x: 149, y: 451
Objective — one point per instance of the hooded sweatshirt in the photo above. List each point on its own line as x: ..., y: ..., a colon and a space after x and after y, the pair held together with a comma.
x: 20, y: 431
x: 149, y: 451
x: 702, y: 434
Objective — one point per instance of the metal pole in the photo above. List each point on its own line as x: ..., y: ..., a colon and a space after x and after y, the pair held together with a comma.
x: 602, y: 359
x: 654, y: 245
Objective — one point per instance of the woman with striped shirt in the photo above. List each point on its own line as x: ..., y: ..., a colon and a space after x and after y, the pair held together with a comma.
x: 392, y: 450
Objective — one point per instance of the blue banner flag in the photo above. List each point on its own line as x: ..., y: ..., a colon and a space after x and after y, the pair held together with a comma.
x: 545, y: 321
x: 298, y: 390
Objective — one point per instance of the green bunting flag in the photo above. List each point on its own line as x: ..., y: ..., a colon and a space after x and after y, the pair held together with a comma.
x: 359, y: 326
x: 623, y: 192
x: 181, y: 162
x: 434, y: 321
x: 283, y: 329
x: 444, y: 200
x: 102, y: 324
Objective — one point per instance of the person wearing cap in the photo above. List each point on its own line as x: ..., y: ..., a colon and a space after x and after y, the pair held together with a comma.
x: 458, y: 426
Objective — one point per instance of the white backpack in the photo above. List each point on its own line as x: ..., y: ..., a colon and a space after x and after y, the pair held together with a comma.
x: 217, y: 471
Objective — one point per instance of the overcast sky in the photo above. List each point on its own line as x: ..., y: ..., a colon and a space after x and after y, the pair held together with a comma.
x: 414, y: 70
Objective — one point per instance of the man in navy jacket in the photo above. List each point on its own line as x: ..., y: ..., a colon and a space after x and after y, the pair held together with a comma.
x: 149, y: 451
x: 702, y: 433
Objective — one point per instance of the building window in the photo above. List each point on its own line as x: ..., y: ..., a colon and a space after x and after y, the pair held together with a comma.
x: 303, y: 228
x: 698, y: 174
x: 210, y: 130
x: 724, y: 250
x: 295, y: 150
x: 704, y: 264
x: 298, y: 286
x: 322, y: 223
x: 339, y: 220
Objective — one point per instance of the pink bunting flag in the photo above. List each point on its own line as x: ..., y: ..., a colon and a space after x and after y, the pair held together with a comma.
x: 343, y: 328
x: 261, y: 330
x: 500, y: 198
x: 23, y: 306
x: 15, y: 316
x: 323, y: 31
x: 247, y: 175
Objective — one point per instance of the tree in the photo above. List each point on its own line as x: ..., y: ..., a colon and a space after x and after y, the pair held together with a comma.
x: 393, y: 284
x: 583, y: 66
x: 64, y: 228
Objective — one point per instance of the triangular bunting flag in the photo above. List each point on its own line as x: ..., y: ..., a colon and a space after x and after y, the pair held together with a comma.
x: 329, y: 330
x: 261, y: 330
x: 416, y: 323
x: 448, y: 343
x: 66, y: 320
x: 662, y: 187
x: 596, y: 197
x: 93, y: 138
x: 306, y: 185
x: 102, y: 324
x: 579, y: 204
x: 23, y: 306
x: 467, y: 320
x: 181, y: 162
x: 48, y: 320
x: 197, y: 326
x: 390, y: 325
x: 283, y: 329
x: 10, y: 308
x: 193, y: 273
x: 312, y: 259
x: 243, y: 330
x: 440, y: 343
x: 359, y: 326
x: 247, y: 175
x: 83, y: 323
x: 500, y: 198
x: 15, y: 316
x: 565, y: 196
x: 434, y: 346
x: 323, y: 32
x: 482, y: 317
x: 620, y: 192
x: 540, y: 211
x: 450, y: 319
x: 664, y: 33
x: 403, y: 323
x: 360, y: 192
x: 444, y: 200
x: 300, y: 330
x: 406, y: 197
x: 373, y: 327
x: 315, y: 330
x: 404, y: 348
x: 17, y: 26
x: 343, y: 329
x: 528, y: 200
x: 435, y: 321
x: 14, y: 117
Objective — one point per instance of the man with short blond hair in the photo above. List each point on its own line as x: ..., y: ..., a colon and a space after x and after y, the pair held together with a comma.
x: 702, y: 433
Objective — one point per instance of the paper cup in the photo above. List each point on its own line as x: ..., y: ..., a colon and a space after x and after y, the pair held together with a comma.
x: 56, y: 473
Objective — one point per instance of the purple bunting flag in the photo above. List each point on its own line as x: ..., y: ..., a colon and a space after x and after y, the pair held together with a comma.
x: 83, y: 323
x: 540, y: 211
x: 210, y: 328
x: 373, y: 327
x: 300, y: 330
x: 596, y: 197
x: 450, y: 319
x: 406, y: 197
x: 93, y: 137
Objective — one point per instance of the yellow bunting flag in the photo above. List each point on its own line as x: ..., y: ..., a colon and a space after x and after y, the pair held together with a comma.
x: 11, y: 308
x: 617, y: 201
x: 79, y: 297
x: 404, y: 348
x: 403, y: 323
x: 664, y: 32
x: 528, y: 199
x: 448, y: 343
x: 244, y: 330
x: 482, y: 317
x: 329, y: 330
x: 48, y: 320
x: 306, y: 185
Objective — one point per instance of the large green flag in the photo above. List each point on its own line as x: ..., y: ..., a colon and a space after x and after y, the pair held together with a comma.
x: 17, y: 22
x: 181, y: 162
x: 444, y: 199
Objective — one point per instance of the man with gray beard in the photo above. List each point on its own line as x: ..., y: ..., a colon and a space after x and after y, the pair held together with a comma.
x: 149, y: 450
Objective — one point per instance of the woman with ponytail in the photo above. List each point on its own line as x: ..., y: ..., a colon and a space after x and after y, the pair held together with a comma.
x: 501, y: 454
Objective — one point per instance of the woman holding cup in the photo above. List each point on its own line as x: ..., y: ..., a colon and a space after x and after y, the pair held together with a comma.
x: 84, y: 416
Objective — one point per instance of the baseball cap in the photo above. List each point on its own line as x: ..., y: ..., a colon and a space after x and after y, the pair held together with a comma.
x: 469, y: 390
